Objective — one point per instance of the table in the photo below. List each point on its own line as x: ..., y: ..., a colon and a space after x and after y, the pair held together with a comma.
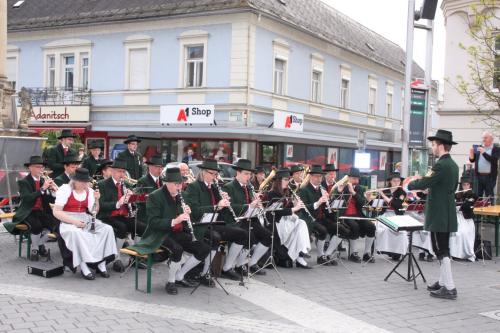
x: 491, y: 211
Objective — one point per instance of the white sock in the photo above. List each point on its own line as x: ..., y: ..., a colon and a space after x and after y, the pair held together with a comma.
x: 119, y: 245
x: 173, y: 268
x: 43, y: 238
x: 208, y: 259
x: 368, y: 244
x: 301, y: 261
x: 447, y: 277
x: 441, y: 274
x: 259, y: 251
x: 35, y: 240
x: 188, y: 265
x: 242, y: 258
x: 359, y: 245
x: 234, y: 250
x: 320, y: 244
x: 85, y: 269
x: 334, y: 242
x: 102, y: 266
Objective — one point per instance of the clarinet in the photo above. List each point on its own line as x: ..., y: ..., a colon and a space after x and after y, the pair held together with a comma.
x: 328, y: 207
x: 296, y: 197
x: 189, y: 224
x: 129, y: 205
x: 217, y: 187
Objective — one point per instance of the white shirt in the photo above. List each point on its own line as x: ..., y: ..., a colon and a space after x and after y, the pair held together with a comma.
x: 64, y: 192
x: 154, y: 178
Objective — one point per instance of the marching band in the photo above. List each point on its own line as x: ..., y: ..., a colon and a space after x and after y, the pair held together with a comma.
x: 252, y: 216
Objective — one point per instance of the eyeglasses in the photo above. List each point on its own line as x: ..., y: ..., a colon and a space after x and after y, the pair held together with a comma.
x: 213, y: 173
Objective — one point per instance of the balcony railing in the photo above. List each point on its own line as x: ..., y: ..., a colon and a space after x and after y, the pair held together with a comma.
x: 59, y: 96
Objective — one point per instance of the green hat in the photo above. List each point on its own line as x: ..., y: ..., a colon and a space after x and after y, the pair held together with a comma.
x: 209, y: 164
x: 259, y: 168
x: 155, y: 160
x: 71, y: 158
x: 81, y: 174
x: 119, y: 164
x: 354, y: 172
x: 35, y: 160
x: 330, y: 167
x: 243, y: 164
x: 132, y: 138
x: 103, y: 164
x: 282, y: 173
x: 316, y: 169
x: 171, y: 175
x: 296, y: 168
x: 66, y: 133
x: 94, y: 144
x: 444, y: 136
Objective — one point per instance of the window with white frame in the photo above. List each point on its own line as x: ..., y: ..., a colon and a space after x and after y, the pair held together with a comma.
x: 84, y: 70
x: 138, y: 69
x: 279, y: 76
x: 388, y: 105
x: 12, y: 71
x: 69, y: 71
x: 51, y: 71
x: 316, y: 87
x: 194, y: 66
x: 344, y: 94
x: 372, y: 100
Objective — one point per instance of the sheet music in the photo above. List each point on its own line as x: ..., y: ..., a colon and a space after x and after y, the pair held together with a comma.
x: 274, y: 206
x: 400, y: 222
x: 337, y: 204
x: 209, y: 217
x: 377, y: 203
x: 251, y: 212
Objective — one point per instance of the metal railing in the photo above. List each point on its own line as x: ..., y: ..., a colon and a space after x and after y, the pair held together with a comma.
x: 59, y: 96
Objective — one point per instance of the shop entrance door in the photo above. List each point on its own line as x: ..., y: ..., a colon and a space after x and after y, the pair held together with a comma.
x: 269, y: 153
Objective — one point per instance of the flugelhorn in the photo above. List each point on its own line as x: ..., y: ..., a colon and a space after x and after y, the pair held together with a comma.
x: 305, y: 179
x: 53, y: 186
x: 263, y: 186
x: 344, y: 180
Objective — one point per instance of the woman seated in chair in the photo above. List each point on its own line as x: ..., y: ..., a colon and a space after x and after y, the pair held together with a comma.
x: 84, y: 243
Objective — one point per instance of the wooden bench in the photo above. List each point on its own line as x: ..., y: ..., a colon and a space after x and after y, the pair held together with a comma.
x: 148, y: 258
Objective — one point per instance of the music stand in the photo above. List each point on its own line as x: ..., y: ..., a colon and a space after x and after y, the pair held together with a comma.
x: 482, y: 202
x: 209, y: 220
x: 248, y: 215
x: 273, y: 208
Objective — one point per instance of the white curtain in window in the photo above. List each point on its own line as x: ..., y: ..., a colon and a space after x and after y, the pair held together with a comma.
x: 138, y: 68
x: 12, y: 69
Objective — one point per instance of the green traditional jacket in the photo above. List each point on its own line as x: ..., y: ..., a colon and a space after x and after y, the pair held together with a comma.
x: 55, y: 158
x: 62, y: 179
x: 134, y: 163
x: 91, y: 164
x: 145, y: 184
x: 161, y: 209
x: 108, y: 199
x: 238, y: 200
x: 197, y: 197
x: 440, y: 208
x: 309, y: 196
x: 28, y: 196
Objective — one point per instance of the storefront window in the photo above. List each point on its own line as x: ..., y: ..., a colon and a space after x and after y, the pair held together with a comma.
x: 316, y: 155
x: 294, y: 154
x: 221, y: 151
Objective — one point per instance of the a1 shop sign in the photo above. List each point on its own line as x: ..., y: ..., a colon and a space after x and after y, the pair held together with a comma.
x: 187, y: 114
x: 289, y: 121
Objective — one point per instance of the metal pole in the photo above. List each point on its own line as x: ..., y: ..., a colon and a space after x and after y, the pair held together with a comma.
x: 406, y: 112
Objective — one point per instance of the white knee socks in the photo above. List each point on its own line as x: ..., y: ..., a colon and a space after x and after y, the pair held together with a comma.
x: 368, y: 244
x: 208, y: 259
x: 447, y: 277
x: 188, y: 265
x: 334, y: 242
x: 259, y: 251
x: 242, y: 258
x: 102, y: 266
x: 320, y: 244
x: 84, y: 268
x: 172, y: 271
x: 234, y: 251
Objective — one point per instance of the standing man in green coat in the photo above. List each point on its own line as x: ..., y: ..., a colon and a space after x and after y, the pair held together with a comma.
x: 132, y: 157
x: 93, y: 160
x: 56, y: 154
x: 440, y: 210
x: 167, y: 227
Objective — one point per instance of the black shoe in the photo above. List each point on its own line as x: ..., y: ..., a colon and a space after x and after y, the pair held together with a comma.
x: 34, y: 255
x: 299, y: 265
x: 434, y: 286
x: 332, y: 261
x: 207, y: 281
x: 444, y: 293
x: 104, y: 274
x: 421, y: 256
x: 171, y: 288
x: 430, y: 258
x: 42, y: 251
x: 89, y: 276
x: 185, y: 283
x: 395, y: 257
x: 118, y: 266
x: 368, y: 258
x: 354, y: 258
x: 322, y: 260
x: 230, y: 274
x: 255, y: 269
x: 340, y: 248
x: 304, y: 255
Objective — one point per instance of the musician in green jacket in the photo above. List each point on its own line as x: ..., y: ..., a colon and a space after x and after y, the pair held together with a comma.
x: 204, y: 196
x: 93, y: 160
x: 132, y: 157
x: 149, y: 183
x: 243, y: 198
x: 440, y: 210
x: 168, y: 227
x: 56, y: 154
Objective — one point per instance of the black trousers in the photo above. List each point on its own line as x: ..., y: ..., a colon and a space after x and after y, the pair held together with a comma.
x: 258, y: 233
x: 360, y: 228
x: 226, y: 233
x: 485, y: 186
x: 123, y: 224
x: 179, y: 242
x: 441, y: 244
x: 39, y: 220
x: 327, y: 226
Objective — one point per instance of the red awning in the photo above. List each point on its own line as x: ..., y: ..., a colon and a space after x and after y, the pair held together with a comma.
x: 75, y: 130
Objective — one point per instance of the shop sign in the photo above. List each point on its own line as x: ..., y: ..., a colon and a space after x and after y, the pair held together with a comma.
x: 187, y: 114
x: 60, y: 113
x: 288, y: 121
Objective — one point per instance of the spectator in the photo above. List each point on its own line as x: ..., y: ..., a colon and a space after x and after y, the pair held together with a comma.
x: 485, y: 160
x: 189, y: 157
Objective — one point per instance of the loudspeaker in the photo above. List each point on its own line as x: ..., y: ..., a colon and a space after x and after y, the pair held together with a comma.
x: 428, y: 9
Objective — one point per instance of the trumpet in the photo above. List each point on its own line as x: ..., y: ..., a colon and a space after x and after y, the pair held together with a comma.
x: 53, y: 186
x: 129, y: 181
x: 189, y: 224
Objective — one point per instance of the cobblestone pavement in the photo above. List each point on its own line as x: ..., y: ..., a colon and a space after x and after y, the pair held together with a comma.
x: 328, y: 299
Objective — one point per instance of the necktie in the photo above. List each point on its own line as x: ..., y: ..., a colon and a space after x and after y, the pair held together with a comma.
x: 247, y: 196
x: 212, y: 196
x: 65, y: 150
x: 158, y: 183
x: 37, y: 185
x: 119, y: 189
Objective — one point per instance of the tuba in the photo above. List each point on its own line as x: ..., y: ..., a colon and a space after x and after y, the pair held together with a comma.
x: 263, y: 187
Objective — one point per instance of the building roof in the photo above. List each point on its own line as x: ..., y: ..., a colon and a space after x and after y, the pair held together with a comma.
x: 313, y: 16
